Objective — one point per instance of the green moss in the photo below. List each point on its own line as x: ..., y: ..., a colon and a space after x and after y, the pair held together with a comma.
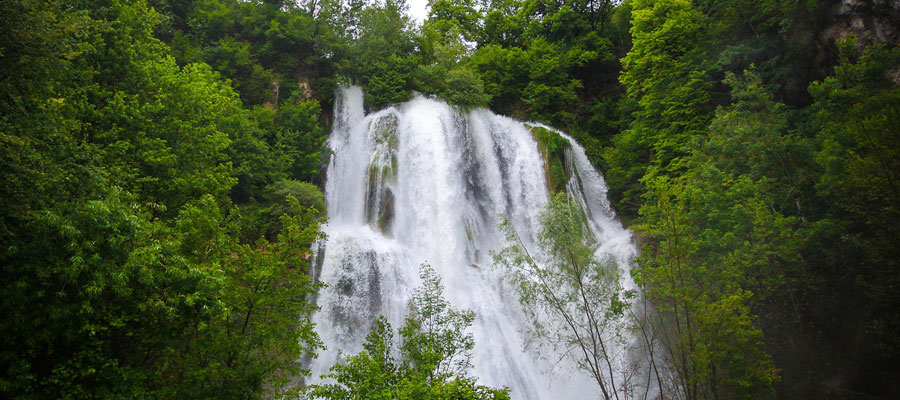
x: 383, y: 170
x: 386, y: 132
x: 384, y: 214
x: 553, y: 149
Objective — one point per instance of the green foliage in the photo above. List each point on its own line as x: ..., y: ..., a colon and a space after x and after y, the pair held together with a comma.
x: 767, y: 184
x: 263, y: 219
x: 665, y: 73
x: 435, y: 343
x: 503, y: 71
x: 379, y: 57
x: 537, y: 77
x: 169, y: 144
x: 724, y: 245
x: 707, y: 239
x: 266, y: 48
x: 370, y: 374
x: 307, y: 194
x: 537, y: 59
x: 434, y: 355
x: 275, y: 57
x: 122, y: 275
x: 456, y: 15
x: 443, y: 73
x: 255, y: 343
x: 551, y: 88
x: 856, y: 112
x: 553, y: 149
x: 580, y: 293
x: 299, y: 139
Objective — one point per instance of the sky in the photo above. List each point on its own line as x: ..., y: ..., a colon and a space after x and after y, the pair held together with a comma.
x: 417, y: 9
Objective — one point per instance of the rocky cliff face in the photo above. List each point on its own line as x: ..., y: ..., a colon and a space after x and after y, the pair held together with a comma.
x: 872, y: 21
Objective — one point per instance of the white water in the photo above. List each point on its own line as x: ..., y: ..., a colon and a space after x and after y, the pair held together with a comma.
x: 422, y: 183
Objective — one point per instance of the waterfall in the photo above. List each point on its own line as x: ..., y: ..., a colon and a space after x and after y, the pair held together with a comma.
x: 421, y: 182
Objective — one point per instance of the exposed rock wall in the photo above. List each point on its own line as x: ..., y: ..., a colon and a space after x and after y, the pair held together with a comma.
x: 872, y: 21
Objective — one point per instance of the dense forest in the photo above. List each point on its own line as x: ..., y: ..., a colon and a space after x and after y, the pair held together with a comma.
x: 162, y: 164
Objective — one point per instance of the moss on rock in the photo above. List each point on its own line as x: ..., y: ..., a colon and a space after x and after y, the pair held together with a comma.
x: 553, y: 149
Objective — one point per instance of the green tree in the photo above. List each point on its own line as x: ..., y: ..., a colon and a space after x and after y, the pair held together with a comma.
x: 565, y: 280
x: 503, y: 72
x: 694, y: 270
x: 460, y: 15
x: 167, y: 141
x: 666, y: 73
x: 122, y: 275
x: 260, y: 327
x: 299, y: 138
x: 434, y: 355
x: 443, y: 70
x: 724, y: 245
x: 856, y: 113
x: 380, y: 58
x: 547, y: 60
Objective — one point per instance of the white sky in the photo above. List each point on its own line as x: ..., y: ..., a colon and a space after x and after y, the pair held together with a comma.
x: 417, y: 10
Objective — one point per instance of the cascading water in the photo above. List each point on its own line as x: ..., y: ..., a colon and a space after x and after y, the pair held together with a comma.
x: 421, y: 182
